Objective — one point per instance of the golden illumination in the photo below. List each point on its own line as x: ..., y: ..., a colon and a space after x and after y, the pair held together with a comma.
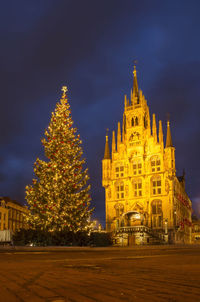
x: 140, y: 177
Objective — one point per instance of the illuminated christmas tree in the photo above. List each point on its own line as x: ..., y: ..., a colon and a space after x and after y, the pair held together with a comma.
x: 59, y: 196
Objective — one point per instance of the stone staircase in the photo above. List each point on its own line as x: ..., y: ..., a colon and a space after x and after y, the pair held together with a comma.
x: 147, y: 235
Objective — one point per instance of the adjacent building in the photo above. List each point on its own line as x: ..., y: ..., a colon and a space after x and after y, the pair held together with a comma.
x: 12, y: 214
x: 145, y: 200
x: 195, y: 230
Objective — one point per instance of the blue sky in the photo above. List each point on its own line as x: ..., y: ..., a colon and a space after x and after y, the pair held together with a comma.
x: 90, y: 46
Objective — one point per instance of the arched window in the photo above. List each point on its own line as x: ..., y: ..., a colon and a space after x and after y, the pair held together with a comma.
x: 156, y: 185
x: 132, y: 122
x: 137, y: 188
x: 136, y: 121
x: 137, y: 100
x: 155, y: 164
x: 120, y: 190
x: 157, y: 214
x: 137, y: 167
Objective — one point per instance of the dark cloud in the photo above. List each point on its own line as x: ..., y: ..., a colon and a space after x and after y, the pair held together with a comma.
x: 90, y: 46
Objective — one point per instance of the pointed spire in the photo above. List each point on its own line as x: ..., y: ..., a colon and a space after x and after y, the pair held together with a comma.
x: 160, y: 133
x: 135, y: 83
x: 107, y: 150
x: 113, y: 142
x: 169, y: 136
x: 125, y: 101
x: 124, y: 127
x: 118, y: 136
x: 154, y: 128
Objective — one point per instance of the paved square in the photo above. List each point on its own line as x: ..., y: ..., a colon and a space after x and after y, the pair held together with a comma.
x: 151, y: 273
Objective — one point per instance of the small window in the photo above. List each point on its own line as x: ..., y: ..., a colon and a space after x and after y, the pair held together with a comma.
x: 120, y: 191
x: 155, y: 164
x: 119, y: 171
x: 138, y: 188
x: 156, y: 187
x: 137, y: 168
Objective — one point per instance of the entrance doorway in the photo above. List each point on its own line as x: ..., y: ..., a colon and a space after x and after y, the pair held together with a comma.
x: 131, y: 240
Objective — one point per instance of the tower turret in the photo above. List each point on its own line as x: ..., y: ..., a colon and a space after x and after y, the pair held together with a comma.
x: 118, y: 136
x: 170, y: 150
x: 106, y: 164
x: 113, y: 142
x: 107, y: 149
x: 160, y: 133
x: 125, y: 102
x: 135, y: 84
x: 124, y: 128
x: 154, y: 128
x: 169, y: 136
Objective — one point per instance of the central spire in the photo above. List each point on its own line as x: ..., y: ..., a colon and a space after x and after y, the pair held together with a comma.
x: 135, y: 83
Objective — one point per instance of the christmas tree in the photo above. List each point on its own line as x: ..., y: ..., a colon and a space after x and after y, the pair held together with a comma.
x: 59, y: 196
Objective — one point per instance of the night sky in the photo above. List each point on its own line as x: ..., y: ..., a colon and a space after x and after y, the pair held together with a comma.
x: 90, y: 46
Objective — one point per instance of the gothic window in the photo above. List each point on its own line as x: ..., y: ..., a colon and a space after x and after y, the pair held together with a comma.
x: 137, y: 188
x: 155, y: 164
x: 132, y: 122
x: 119, y: 171
x: 156, y: 211
x: 119, y: 208
x: 136, y: 121
x: 137, y: 168
x: 120, y: 190
x: 156, y: 207
x: 137, y: 100
x: 156, y: 186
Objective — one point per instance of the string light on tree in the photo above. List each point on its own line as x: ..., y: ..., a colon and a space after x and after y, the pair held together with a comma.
x: 59, y: 197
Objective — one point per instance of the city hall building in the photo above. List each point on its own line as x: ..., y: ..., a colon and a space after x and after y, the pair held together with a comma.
x: 145, y: 200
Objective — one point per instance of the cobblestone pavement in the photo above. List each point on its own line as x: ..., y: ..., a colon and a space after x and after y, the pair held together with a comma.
x: 165, y: 273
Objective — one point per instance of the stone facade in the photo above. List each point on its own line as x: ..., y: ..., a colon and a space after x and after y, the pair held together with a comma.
x: 144, y: 198
x: 11, y: 214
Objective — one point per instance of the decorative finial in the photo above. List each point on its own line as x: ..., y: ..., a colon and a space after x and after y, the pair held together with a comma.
x: 107, y: 131
x: 64, y: 89
x: 134, y: 70
x: 168, y: 118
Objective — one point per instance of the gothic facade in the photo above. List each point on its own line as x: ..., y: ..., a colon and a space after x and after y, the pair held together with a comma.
x: 145, y: 200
